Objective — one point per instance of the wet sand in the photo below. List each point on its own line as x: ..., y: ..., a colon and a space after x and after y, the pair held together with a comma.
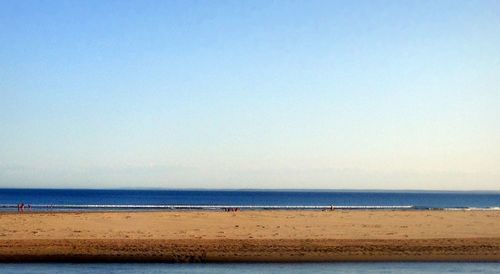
x: 251, y: 236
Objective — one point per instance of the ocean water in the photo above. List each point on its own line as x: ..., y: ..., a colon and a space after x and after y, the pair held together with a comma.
x: 317, y: 268
x: 86, y: 199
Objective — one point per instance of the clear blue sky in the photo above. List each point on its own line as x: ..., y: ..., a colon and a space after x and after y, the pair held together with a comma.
x: 250, y: 94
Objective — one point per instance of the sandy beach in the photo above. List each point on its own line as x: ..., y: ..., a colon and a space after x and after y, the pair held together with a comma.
x: 251, y: 236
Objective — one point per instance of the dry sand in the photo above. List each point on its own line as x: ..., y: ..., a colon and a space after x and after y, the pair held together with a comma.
x: 264, y: 236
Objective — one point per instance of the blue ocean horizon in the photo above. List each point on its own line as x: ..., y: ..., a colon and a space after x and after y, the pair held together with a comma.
x: 155, y: 198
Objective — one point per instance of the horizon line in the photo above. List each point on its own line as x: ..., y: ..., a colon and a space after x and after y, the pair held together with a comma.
x: 255, y: 189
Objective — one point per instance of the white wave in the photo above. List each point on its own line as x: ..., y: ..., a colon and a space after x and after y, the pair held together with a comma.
x: 217, y: 207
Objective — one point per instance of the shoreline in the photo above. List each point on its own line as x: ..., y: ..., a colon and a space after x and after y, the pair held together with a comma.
x: 212, y: 208
x: 250, y: 236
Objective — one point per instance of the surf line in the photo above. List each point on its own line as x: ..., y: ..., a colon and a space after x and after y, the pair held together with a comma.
x: 216, y: 207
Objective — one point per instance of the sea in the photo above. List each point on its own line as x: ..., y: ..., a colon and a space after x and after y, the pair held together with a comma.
x: 142, y: 199
x: 242, y: 268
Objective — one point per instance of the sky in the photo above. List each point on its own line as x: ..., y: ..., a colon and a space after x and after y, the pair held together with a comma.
x: 250, y: 94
